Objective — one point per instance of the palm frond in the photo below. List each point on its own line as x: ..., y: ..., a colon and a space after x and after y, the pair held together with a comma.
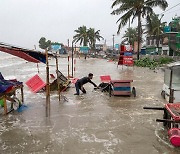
x: 160, y: 3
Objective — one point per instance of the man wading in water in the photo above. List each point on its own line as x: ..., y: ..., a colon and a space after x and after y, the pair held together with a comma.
x: 79, y: 84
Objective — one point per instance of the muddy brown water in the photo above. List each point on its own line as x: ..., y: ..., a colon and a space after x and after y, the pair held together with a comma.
x: 91, y: 123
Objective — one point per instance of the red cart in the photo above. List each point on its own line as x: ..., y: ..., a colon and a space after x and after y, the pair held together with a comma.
x: 119, y: 87
x: 171, y: 120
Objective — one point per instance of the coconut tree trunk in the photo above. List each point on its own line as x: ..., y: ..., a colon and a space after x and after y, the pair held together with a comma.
x: 85, y: 41
x: 139, y: 34
x: 158, y: 40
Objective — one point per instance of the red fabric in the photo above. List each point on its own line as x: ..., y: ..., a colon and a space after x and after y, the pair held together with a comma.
x: 19, y: 54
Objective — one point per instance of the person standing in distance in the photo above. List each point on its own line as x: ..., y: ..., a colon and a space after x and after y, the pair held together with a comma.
x: 79, y: 84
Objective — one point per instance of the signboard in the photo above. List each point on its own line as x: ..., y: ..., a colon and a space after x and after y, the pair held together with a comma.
x: 128, y: 60
x: 126, y: 56
x: 84, y: 49
x: 125, y: 48
x: 127, y: 53
x: 56, y: 47
x: 128, y: 47
x: 116, y: 46
x: 167, y: 29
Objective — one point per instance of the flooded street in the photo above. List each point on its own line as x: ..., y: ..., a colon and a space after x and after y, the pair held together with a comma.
x: 91, y: 123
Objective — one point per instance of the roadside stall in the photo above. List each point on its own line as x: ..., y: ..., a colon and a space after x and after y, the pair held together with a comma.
x: 171, y: 86
x: 8, y: 94
x: 9, y: 88
x: 126, y: 56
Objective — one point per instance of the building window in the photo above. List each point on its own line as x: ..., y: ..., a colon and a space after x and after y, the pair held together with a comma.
x: 147, y: 41
x: 152, y: 42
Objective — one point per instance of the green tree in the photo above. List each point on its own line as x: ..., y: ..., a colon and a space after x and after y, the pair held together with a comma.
x: 135, y: 8
x: 130, y: 36
x: 175, y: 24
x: 87, y: 36
x: 81, y: 35
x: 43, y: 44
x: 155, y: 27
x: 93, y: 36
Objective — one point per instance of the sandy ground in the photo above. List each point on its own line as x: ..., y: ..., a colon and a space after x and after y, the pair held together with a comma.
x: 91, y: 123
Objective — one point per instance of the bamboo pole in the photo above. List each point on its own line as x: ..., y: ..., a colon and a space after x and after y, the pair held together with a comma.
x: 47, y: 86
x: 57, y: 77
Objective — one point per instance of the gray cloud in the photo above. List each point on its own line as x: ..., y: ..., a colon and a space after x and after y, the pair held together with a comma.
x: 23, y: 22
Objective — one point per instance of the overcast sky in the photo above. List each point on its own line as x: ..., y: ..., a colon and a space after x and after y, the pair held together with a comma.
x: 24, y: 22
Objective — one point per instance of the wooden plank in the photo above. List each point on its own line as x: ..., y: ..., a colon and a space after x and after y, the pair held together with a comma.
x: 116, y: 84
x: 127, y: 93
x: 121, y: 81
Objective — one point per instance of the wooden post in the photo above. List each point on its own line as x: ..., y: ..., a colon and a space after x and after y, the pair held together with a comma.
x: 5, y: 105
x: 57, y: 76
x: 68, y: 66
x: 47, y: 86
x: 38, y: 67
x: 22, y: 95
x: 72, y: 58
x: 171, y: 94
x: 68, y: 60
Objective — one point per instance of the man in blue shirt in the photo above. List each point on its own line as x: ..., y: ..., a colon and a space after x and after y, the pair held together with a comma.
x: 79, y: 84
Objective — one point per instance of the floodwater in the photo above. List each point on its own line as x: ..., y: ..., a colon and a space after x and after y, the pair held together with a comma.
x: 91, y: 123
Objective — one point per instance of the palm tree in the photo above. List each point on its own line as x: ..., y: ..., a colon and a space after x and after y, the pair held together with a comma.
x: 130, y: 36
x: 43, y: 44
x: 135, y: 8
x: 155, y: 27
x: 93, y: 36
x: 82, y: 36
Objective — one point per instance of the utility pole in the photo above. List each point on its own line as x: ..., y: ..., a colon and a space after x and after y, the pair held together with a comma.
x: 113, y: 42
x: 72, y: 57
x: 129, y: 28
x: 68, y: 45
x: 68, y: 42
x: 68, y: 60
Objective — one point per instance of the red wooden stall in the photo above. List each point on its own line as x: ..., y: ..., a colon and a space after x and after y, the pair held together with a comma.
x: 126, y: 57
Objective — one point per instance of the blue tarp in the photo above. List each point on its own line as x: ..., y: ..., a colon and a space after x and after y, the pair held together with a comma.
x: 7, y: 84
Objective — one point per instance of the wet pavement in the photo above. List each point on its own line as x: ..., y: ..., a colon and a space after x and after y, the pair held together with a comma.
x: 91, y: 123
